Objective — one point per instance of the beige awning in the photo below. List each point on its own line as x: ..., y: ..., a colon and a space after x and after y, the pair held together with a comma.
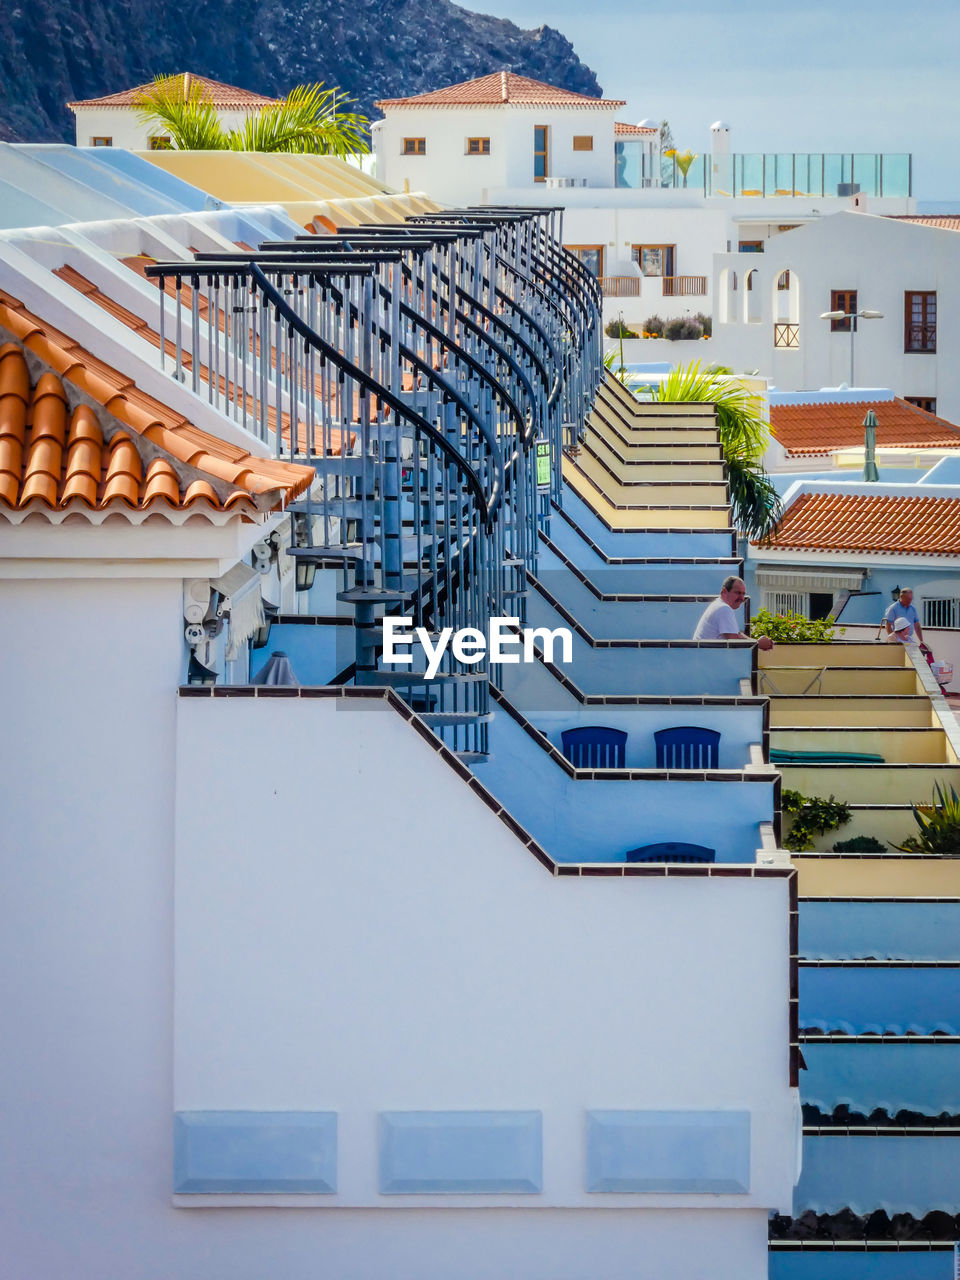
x: 808, y: 579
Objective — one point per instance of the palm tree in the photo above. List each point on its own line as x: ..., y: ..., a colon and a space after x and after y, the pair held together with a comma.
x: 309, y: 120
x: 684, y: 159
x: 744, y: 436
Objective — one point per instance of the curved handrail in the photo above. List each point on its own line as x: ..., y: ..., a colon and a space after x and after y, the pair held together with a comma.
x: 371, y: 386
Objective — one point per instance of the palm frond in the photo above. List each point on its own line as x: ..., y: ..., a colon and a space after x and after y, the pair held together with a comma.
x: 744, y: 436
x: 184, y: 111
x: 309, y: 120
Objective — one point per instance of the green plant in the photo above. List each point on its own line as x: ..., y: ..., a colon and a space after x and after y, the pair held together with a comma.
x: 939, y: 824
x: 792, y: 628
x: 705, y: 322
x: 617, y: 329
x: 684, y: 327
x: 613, y: 363
x: 860, y: 844
x: 744, y: 436
x: 684, y: 159
x: 812, y: 816
x: 309, y: 120
x: 653, y: 326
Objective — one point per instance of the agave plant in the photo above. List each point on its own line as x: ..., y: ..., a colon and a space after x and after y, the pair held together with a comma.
x: 309, y: 120
x: 939, y: 824
x: 744, y: 436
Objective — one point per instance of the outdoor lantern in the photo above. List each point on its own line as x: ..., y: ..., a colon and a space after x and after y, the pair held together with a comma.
x: 306, y: 572
x: 895, y: 593
x: 262, y: 634
x: 197, y: 673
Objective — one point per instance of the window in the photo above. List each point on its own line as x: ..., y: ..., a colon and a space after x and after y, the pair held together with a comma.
x: 842, y: 300
x: 591, y: 255
x: 582, y: 142
x: 920, y: 322
x: 541, y: 156
x: 101, y: 142
x: 944, y: 612
x: 927, y: 403
x: 478, y: 146
x: 809, y: 604
x: 751, y: 246
x: 414, y: 146
x: 783, y: 280
x: 160, y: 142
x: 655, y: 259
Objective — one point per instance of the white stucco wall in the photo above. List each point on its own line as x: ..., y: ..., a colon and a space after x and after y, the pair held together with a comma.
x: 448, y: 969
x: 122, y: 125
x: 452, y: 176
x: 879, y: 257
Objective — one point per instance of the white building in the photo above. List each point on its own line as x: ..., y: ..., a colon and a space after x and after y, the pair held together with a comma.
x: 907, y: 269
x: 112, y: 121
x: 277, y: 948
x: 649, y: 230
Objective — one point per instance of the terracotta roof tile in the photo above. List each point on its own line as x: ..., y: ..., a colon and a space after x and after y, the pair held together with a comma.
x: 217, y: 93
x: 885, y: 523
x: 821, y: 428
x: 54, y: 457
x: 502, y: 88
x: 942, y: 221
x: 72, y: 277
x: 621, y: 129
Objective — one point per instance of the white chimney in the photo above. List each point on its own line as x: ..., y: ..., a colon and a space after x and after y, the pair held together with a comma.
x: 720, y: 138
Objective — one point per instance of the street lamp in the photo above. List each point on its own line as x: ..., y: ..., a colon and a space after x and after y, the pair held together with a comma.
x: 852, y: 316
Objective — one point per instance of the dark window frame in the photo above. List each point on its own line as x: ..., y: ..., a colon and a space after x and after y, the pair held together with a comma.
x: 920, y: 334
x: 842, y: 300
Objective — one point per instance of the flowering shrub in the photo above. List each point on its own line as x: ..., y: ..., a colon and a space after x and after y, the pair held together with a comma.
x: 792, y: 627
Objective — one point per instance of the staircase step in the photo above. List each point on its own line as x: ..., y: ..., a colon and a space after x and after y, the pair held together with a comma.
x: 373, y: 595
x: 397, y: 679
x: 443, y: 719
x: 473, y: 757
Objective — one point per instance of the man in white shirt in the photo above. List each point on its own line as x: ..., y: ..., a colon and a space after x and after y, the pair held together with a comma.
x: 719, y: 621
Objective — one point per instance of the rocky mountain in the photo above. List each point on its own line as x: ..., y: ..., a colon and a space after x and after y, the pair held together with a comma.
x: 56, y: 51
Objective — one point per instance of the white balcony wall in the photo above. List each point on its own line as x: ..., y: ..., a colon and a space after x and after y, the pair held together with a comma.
x: 881, y: 258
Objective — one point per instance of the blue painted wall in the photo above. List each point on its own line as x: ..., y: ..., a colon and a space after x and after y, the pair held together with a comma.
x: 640, y: 579
x: 316, y: 654
x: 821, y: 1265
x: 866, y: 1075
x: 596, y: 821
x: 714, y: 670
x: 883, y: 930
x: 655, y: 543
x: 897, y: 1174
x: 919, y: 998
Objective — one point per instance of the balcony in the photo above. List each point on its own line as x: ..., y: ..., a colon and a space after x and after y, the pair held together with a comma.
x: 786, y: 336
x: 620, y: 286
x: 684, y: 286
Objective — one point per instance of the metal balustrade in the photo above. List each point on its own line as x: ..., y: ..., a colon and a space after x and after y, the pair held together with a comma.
x: 415, y: 368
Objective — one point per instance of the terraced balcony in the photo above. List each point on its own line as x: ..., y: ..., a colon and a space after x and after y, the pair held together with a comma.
x: 856, y: 721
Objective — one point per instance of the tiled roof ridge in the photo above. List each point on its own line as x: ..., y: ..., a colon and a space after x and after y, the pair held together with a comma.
x: 621, y: 126
x: 823, y: 426
x: 941, y: 221
x: 881, y: 524
x: 166, y: 459
x: 219, y: 93
x: 500, y: 88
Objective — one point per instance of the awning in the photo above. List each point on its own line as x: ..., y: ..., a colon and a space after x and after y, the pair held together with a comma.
x: 243, y: 601
x: 812, y: 579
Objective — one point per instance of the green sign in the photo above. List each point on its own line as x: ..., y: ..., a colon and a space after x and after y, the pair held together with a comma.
x: 543, y: 466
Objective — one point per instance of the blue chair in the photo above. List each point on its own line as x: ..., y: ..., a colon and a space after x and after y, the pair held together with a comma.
x: 687, y: 747
x: 670, y: 851
x: 595, y: 747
